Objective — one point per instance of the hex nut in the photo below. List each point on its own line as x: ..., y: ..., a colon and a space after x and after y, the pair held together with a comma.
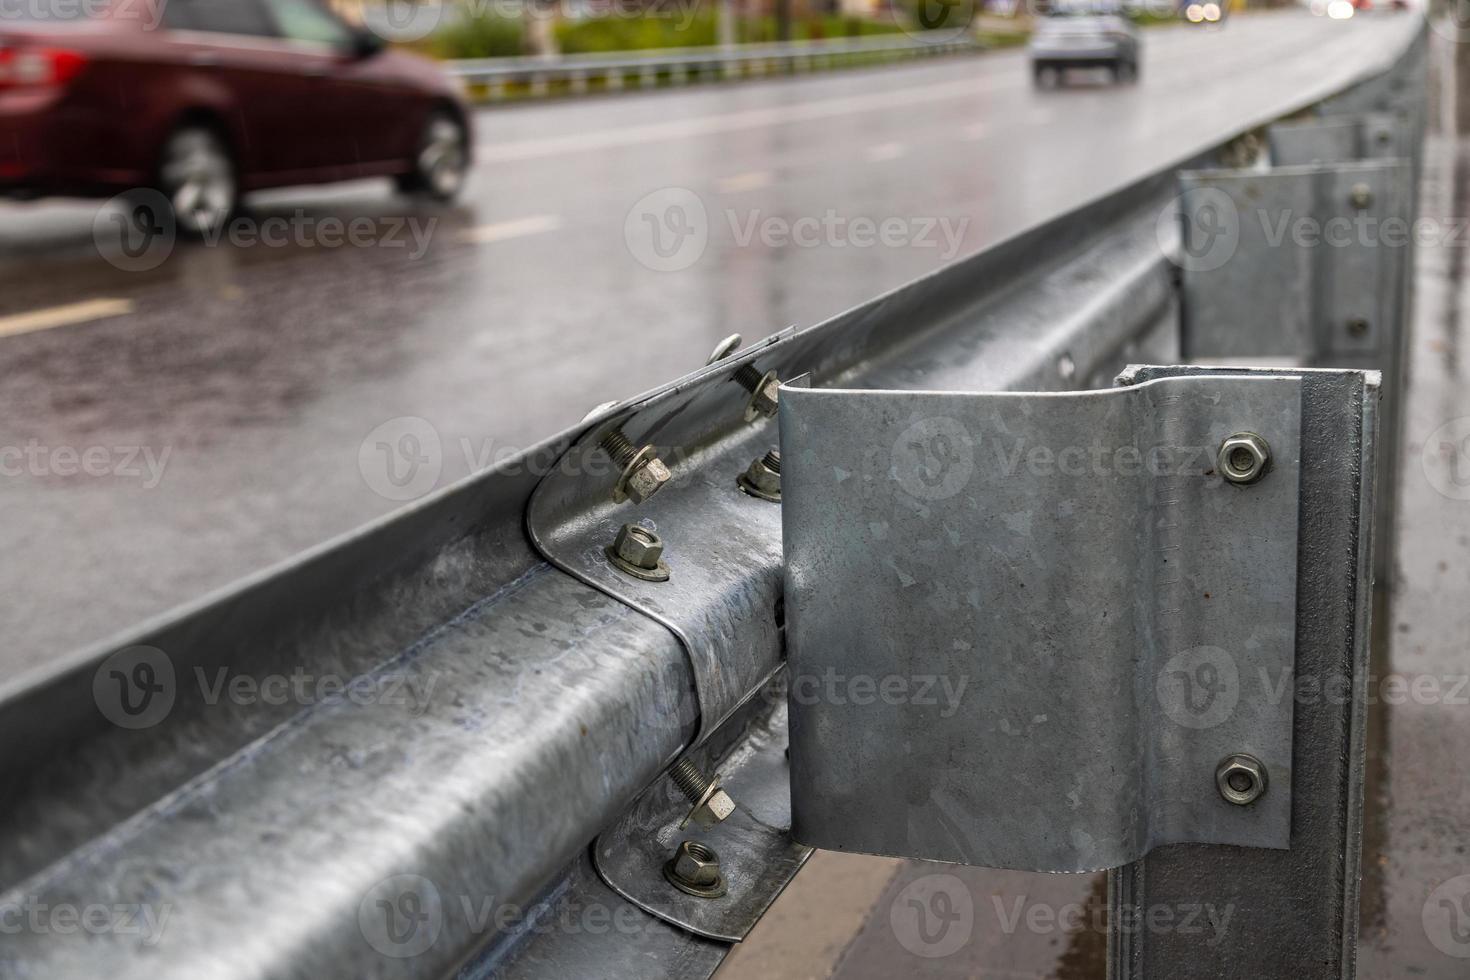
x: 639, y: 546
x: 715, y: 807
x: 639, y: 552
x: 761, y: 480
x: 1243, y: 458
x: 644, y: 476
x: 764, y: 400
x: 1241, y: 779
x: 695, y: 870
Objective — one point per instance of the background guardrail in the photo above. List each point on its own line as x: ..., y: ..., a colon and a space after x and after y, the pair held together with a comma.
x: 679, y: 65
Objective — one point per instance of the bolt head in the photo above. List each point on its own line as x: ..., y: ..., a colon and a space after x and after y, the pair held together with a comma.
x: 645, y: 478
x: 724, y: 349
x: 716, y: 807
x: 1361, y: 196
x: 764, y: 400
x: 696, y: 865
x: 1241, y: 779
x: 1243, y: 458
x: 638, y: 546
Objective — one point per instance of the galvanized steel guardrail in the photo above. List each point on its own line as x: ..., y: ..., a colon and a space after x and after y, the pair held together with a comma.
x: 680, y: 65
x: 488, y: 797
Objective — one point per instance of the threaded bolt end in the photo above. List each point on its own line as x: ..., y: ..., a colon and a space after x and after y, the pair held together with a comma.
x: 748, y: 377
x: 773, y: 460
x: 618, y: 447
x: 689, y: 780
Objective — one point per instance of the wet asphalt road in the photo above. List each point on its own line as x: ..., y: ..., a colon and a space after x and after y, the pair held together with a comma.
x: 211, y: 421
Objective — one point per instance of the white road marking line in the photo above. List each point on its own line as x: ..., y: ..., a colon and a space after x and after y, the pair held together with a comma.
x: 736, y: 183
x: 678, y: 129
x: 64, y: 316
x: 502, y: 230
x: 885, y: 151
x: 975, y: 131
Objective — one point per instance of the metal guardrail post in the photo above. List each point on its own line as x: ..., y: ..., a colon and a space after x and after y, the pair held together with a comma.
x: 1286, y: 912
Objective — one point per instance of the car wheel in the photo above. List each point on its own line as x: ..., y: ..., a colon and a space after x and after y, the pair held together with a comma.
x: 197, y: 176
x: 440, y: 168
x: 1047, y: 76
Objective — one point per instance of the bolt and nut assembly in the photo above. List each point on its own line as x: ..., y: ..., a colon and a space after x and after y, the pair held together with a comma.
x: 695, y: 870
x: 643, y: 475
x: 763, y: 478
x: 709, y: 803
x: 764, y: 391
x: 638, y: 552
x: 1243, y: 458
x: 1241, y: 779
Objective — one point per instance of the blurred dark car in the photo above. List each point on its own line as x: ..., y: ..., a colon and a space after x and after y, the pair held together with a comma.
x: 205, y: 100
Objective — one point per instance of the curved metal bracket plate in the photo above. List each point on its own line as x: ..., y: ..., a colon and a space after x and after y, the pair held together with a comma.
x: 722, y: 546
x: 757, y: 855
x: 1024, y: 630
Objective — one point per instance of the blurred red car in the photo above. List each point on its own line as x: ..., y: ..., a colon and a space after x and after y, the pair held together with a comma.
x: 205, y: 100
